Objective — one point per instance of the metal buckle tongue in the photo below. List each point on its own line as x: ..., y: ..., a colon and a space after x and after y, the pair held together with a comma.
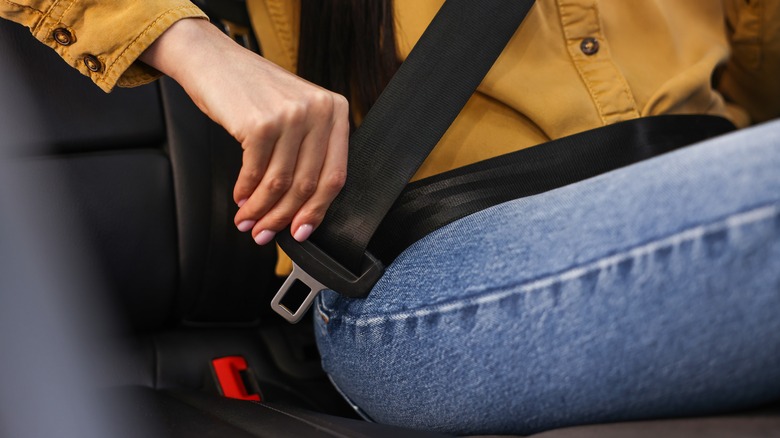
x: 321, y: 272
x: 315, y: 287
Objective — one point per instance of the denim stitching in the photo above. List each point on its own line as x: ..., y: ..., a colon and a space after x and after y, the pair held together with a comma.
x: 733, y: 221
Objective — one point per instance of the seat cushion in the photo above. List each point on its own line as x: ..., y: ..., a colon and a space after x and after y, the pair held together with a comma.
x: 176, y: 413
x: 179, y: 413
x: 757, y: 423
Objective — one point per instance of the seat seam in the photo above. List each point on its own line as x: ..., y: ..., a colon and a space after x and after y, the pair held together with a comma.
x: 205, y: 412
x: 310, y: 423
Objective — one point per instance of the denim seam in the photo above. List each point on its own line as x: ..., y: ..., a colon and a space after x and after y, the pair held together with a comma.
x: 323, y: 308
x: 496, y: 294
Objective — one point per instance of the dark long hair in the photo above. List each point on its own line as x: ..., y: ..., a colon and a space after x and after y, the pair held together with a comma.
x: 348, y: 46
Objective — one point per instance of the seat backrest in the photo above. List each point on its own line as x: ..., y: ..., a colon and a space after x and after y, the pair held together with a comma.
x: 150, y: 180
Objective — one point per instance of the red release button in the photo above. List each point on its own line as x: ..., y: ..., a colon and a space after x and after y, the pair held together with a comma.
x: 228, y: 370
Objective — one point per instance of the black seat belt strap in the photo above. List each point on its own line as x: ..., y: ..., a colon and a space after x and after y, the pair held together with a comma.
x: 426, y: 94
x: 429, y: 204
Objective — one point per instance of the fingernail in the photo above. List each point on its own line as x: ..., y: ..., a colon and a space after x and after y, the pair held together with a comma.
x: 264, y: 237
x: 246, y: 225
x: 241, y: 203
x: 303, y: 232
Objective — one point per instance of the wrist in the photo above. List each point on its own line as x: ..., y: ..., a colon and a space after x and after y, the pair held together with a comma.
x: 179, y: 47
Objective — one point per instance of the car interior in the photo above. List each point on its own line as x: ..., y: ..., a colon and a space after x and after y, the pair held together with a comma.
x: 145, y: 180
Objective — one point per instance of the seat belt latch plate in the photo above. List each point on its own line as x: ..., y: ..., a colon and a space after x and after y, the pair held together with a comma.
x: 317, y: 270
x: 297, y: 275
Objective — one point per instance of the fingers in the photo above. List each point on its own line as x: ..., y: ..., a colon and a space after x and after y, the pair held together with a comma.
x: 303, y: 185
x: 254, y: 165
x: 332, y: 178
x: 276, y: 178
x: 299, y: 178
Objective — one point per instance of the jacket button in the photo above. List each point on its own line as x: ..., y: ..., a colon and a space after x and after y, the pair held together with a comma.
x: 589, y: 46
x: 63, y: 37
x: 92, y: 63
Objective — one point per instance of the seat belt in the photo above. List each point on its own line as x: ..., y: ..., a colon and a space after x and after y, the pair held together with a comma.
x: 418, y: 105
x: 428, y: 204
x: 378, y: 213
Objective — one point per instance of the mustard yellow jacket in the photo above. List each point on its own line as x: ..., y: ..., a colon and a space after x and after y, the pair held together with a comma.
x: 573, y: 65
x: 579, y: 64
x: 101, y: 38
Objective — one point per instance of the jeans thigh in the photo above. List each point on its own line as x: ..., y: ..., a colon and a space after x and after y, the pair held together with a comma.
x: 648, y: 291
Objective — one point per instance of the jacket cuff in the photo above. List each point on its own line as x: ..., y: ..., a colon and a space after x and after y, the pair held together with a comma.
x: 103, y: 39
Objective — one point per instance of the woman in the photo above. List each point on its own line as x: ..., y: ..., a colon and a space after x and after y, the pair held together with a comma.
x: 649, y: 291
x: 646, y: 292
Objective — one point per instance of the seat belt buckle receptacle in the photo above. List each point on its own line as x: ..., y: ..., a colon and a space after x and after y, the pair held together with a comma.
x: 315, y: 271
x: 234, y: 378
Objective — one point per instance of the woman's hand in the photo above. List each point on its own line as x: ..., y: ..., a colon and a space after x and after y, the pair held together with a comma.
x: 294, y: 133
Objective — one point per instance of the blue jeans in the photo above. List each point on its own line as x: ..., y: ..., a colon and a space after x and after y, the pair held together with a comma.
x: 650, y: 291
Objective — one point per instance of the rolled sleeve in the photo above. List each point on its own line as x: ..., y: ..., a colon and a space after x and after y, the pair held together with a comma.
x: 101, y: 39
